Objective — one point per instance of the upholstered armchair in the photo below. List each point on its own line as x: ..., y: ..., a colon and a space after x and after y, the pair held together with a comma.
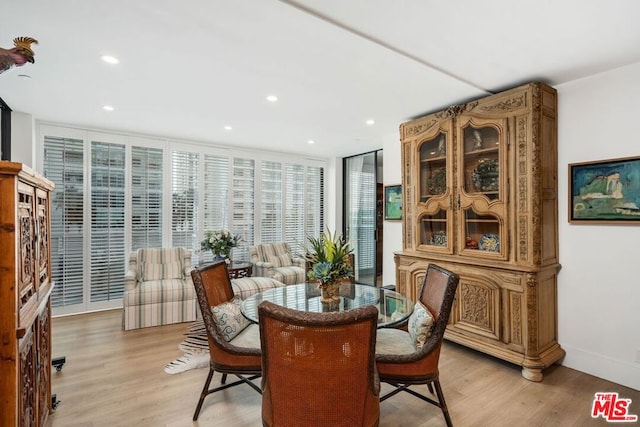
x: 158, y: 288
x: 275, y: 260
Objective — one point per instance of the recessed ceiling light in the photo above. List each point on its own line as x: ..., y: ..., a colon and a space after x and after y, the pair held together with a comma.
x: 370, y: 122
x: 272, y: 98
x: 311, y: 141
x: 108, y: 108
x: 110, y: 59
x: 228, y: 128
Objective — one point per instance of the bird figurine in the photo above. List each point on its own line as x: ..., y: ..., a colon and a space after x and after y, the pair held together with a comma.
x: 19, y: 55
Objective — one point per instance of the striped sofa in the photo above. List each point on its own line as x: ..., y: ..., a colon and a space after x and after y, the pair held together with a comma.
x: 275, y: 260
x: 158, y: 288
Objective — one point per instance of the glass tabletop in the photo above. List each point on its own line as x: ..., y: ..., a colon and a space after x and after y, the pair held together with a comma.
x: 392, y: 307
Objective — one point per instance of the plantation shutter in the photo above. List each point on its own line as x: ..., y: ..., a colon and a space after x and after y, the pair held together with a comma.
x: 271, y: 202
x: 243, y: 196
x: 216, y: 198
x: 107, y: 221
x: 314, y: 202
x: 146, y: 197
x: 294, y: 229
x: 64, y: 165
x: 363, y: 199
x: 185, y: 187
x: 117, y: 193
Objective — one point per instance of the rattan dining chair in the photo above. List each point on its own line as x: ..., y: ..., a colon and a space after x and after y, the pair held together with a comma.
x: 318, y: 368
x: 409, y: 357
x: 234, y: 344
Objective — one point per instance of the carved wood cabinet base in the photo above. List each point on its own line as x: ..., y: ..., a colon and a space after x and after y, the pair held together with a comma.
x: 504, y: 313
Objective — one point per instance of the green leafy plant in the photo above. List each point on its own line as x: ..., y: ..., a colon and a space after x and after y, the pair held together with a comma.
x: 329, y: 258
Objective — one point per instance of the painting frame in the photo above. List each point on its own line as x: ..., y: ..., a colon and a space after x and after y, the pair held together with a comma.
x: 393, y: 202
x: 605, y: 191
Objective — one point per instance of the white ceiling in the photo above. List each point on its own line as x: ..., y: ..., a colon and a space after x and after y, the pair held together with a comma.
x: 190, y: 67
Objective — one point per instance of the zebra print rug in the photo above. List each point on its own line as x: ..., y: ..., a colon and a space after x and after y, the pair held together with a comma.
x: 195, y: 348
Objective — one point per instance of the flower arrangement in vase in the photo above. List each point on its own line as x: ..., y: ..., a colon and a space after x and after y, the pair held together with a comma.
x: 329, y: 258
x: 220, y: 243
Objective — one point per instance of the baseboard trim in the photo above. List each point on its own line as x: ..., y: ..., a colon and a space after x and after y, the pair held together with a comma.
x: 617, y: 371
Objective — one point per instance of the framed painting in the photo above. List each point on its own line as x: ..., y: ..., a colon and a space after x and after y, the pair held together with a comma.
x: 393, y: 202
x: 605, y: 191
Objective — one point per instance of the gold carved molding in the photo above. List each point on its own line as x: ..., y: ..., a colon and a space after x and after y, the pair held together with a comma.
x: 417, y: 129
x: 516, y: 319
x: 523, y: 252
x: 532, y: 313
x: 536, y: 167
x: 475, y: 303
x: 508, y: 105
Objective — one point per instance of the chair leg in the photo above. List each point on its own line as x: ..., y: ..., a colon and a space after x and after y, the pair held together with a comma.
x: 224, y: 379
x: 206, y: 391
x: 204, y: 394
x: 443, y: 404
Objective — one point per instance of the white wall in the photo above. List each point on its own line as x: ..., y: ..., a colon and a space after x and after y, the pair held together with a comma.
x: 23, y: 138
x: 599, y: 283
x: 392, y: 230
x: 333, y: 194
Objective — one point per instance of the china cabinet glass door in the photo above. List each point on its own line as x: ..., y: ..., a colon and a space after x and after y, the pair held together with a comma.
x: 482, y: 185
x: 434, y: 198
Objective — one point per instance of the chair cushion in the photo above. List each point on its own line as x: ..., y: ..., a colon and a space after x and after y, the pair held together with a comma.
x: 157, y: 271
x: 264, y: 250
x: 290, y: 275
x: 393, y: 341
x: 283, y: 260
x: 229, y: 319
x: 160, y: 291
x: 420, y: 324
x: 248, y: 338
x: 160, y: 263
x: 247, y: 286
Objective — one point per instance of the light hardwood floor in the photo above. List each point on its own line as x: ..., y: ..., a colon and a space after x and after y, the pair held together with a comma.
x: 117, y: 378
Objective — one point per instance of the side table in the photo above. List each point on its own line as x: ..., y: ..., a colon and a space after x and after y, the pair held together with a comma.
x: 239, y: 269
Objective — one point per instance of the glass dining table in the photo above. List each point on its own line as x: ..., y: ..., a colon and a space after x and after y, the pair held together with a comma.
x: 393, y: 308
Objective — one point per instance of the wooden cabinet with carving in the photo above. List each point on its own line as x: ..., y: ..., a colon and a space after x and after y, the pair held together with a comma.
x: 480, y: 198
x: 25, y: 290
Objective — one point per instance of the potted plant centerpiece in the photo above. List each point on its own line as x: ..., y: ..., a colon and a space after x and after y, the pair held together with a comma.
x: 220, y: 243
x: 329, y: 259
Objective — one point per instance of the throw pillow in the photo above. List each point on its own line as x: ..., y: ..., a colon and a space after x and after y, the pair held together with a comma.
x: 420, y: 325
x: 229, y: 319
x: 156, y: 271
x: 283, y: 260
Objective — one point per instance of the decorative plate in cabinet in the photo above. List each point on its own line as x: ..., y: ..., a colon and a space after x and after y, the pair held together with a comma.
x: 438, y: 181
x: 439, y: 238
x: 486, y: 175
x: 489, y: 242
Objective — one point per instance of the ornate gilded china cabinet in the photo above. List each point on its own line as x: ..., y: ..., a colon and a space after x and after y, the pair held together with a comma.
x: 25, y: 290
x: 480, y: 199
